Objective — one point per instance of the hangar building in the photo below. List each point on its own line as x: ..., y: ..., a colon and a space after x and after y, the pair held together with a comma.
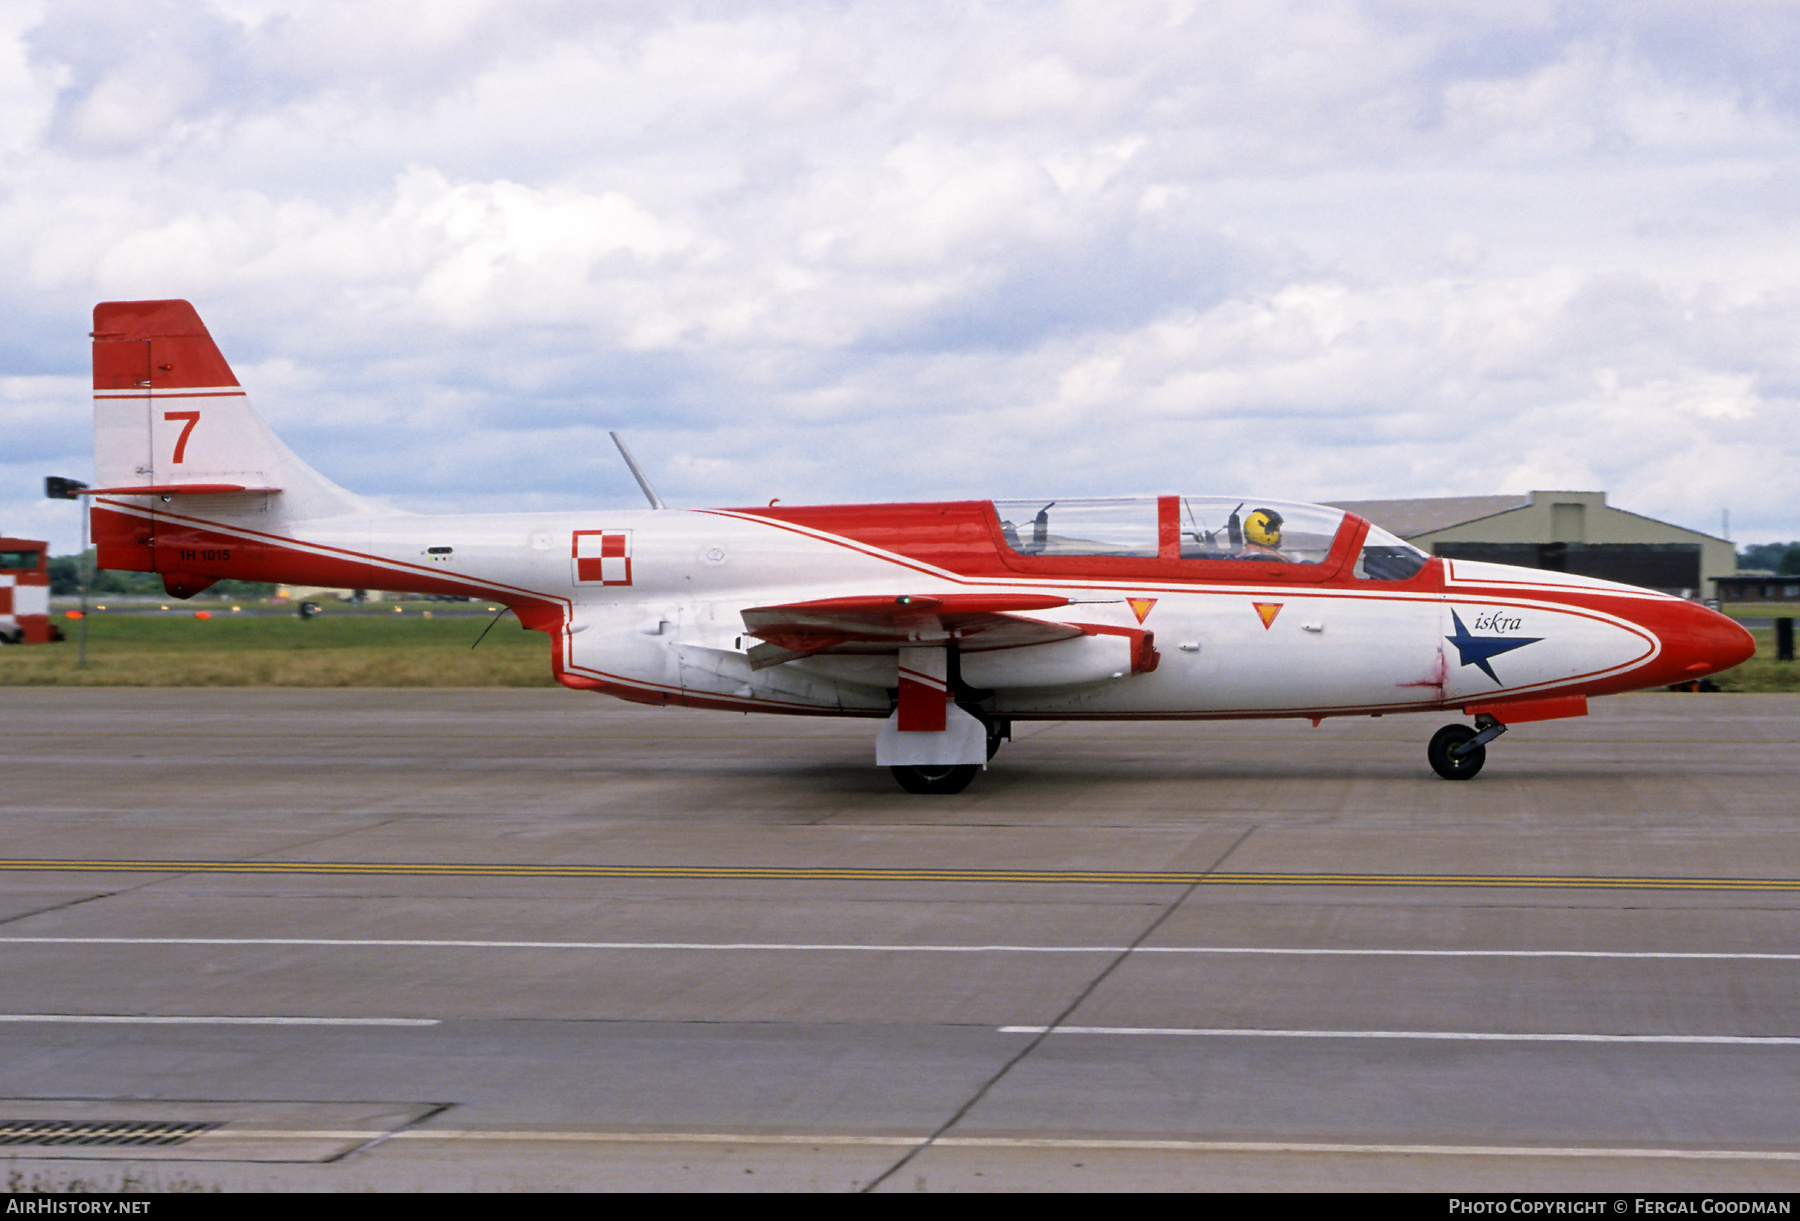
x: 1562, y: 531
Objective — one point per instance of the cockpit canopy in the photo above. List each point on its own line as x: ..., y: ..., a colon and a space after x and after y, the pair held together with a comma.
x: 1198, y: 528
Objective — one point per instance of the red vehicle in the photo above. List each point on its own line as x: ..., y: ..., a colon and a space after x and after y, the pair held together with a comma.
x: 24, y: 591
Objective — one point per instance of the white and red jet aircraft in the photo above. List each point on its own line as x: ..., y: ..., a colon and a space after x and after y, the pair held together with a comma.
x: 946, y: 621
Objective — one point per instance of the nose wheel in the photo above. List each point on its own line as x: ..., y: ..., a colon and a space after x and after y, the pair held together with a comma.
x: 1457, y: 752
x: 1451, y: 755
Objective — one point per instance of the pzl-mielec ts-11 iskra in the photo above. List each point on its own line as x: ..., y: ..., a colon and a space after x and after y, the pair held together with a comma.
x: 944, y: 622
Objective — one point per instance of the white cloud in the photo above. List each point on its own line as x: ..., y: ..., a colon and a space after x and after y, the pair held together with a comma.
x: 834, y: 251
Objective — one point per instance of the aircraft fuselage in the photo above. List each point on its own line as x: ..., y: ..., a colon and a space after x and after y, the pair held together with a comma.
x: 949, y: 619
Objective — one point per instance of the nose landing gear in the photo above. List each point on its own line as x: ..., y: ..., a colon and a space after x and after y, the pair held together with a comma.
x: 1457, y: 752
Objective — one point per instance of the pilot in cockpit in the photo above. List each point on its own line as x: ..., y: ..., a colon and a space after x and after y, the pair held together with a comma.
x: 1262, y: 536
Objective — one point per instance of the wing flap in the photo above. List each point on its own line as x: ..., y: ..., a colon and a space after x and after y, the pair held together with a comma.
x: 974, y: 622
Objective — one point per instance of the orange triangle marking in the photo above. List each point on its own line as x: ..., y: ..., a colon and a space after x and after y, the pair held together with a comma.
x: 1141, y: 607
x: 1268, y: 611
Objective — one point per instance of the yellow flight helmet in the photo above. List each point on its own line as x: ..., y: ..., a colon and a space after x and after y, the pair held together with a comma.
x: 1263, y: 528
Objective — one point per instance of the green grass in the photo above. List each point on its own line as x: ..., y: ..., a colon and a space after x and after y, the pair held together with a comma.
x: 1761, y: 673
x: 368, y: 646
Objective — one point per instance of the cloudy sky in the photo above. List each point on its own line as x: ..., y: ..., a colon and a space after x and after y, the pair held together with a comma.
x: 874, y: 251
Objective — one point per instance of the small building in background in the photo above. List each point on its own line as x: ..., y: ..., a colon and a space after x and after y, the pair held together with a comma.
x: 1574, y: 532
x: 24, y: 591
x: 1759, y: 589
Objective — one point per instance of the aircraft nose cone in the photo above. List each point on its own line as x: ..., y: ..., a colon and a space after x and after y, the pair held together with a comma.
x: 1700, y: 642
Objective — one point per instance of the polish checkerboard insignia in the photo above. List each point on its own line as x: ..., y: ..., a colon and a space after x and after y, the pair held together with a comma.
x: 602, y: 557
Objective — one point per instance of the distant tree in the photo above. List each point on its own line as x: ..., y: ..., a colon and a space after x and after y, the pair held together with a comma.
x: 242, y: 589
x: 1777, y: 557
x: 65, y: 581
x: 65, y: 575
x: 113, y: 581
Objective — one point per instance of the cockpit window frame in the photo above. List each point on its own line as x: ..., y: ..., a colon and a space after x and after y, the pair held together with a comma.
x: 1169, y: 565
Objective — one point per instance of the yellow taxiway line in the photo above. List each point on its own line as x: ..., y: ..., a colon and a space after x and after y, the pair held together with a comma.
x: 838, y: 874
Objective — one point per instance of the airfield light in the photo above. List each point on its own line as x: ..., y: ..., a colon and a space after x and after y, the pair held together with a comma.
x: 203, y: 614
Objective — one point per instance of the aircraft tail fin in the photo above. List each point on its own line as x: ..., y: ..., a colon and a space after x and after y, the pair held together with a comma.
x: 169, y: 415
x: 174, y: 432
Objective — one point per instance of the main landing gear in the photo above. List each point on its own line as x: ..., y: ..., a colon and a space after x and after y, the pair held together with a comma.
x: 950, y: 778
x: 1457, y: 752
x: 955, y: 777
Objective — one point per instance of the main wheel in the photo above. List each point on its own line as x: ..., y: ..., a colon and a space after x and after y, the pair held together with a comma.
x: 949, y: 778
x: 1449, y: 765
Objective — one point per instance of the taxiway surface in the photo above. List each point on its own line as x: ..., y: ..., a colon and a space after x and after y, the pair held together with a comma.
x: 535, y: 939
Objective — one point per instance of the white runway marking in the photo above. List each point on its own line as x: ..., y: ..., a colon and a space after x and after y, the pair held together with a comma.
x: 1475, y: 1036
x: 818, y: 947
x: 112, y: 1019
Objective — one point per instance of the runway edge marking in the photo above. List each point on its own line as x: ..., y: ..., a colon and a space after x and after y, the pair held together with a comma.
x: 833, y: 947
x: 1468, y: 1036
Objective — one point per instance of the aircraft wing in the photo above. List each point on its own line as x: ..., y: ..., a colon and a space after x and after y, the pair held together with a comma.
x: 883, y: 624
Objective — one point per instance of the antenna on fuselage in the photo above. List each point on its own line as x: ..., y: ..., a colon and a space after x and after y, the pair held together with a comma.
x: 637, y: 472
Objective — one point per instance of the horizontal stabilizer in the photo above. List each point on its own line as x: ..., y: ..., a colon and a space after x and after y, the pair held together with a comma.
x: 177, y: 489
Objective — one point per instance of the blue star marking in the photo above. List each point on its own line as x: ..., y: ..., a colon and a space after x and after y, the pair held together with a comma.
x: 1476, y: 650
